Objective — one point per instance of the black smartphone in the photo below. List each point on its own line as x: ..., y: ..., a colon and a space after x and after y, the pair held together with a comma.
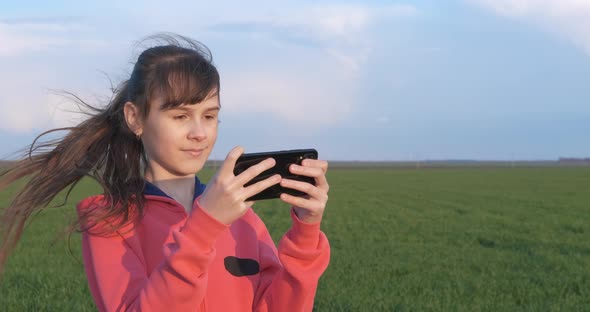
x: 283, y: 160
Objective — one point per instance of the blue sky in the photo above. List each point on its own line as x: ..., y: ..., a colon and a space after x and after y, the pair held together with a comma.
x: 357, y: 80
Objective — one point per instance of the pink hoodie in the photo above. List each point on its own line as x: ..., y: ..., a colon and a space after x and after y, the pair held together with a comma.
x: 171, y: 261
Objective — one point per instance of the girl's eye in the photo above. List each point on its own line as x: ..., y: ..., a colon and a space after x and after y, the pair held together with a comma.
x: 210, y: 117
x: 179, y: 117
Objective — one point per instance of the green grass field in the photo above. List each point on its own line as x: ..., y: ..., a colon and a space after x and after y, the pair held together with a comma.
x: 495, y: 239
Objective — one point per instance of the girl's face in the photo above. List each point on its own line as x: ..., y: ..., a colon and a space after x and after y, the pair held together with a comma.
x: 179, y: 140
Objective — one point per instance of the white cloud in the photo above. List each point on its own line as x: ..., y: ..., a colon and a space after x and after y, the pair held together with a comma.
x: 568, y: 18
x: 342, y: 30
x: 297, y: 100
x: 25, y: 109
x: 334, y: 42
x: 14, y: 43
x: 341, y: 22
x: 319, y: 88
x: 328, y: 43
x: 28, y: 102
x: 31, y: 36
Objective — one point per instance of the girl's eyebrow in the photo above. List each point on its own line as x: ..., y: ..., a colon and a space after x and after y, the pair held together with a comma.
x: 216, y: 108
x: 188, y: 109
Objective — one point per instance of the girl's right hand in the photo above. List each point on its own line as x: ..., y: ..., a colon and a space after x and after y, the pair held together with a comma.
x: 225, y: 195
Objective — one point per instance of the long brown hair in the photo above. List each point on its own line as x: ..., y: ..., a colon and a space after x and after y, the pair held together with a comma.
x: 179, y: 70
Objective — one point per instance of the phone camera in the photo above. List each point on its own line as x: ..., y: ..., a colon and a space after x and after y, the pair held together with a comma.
x: 309, y: 155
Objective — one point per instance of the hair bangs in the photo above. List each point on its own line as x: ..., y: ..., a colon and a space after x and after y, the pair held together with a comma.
x: 185, y: 80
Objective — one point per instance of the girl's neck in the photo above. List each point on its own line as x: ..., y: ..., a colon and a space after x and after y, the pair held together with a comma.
x: 182, y: 189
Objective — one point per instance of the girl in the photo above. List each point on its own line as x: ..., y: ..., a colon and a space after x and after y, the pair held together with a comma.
x: 158, y: 239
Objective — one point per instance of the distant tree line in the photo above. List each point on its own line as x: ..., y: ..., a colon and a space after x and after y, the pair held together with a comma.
x: 572, y: 160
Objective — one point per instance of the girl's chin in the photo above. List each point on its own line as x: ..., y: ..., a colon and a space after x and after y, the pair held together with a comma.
x: 192, y: 169
x: 183, y: 167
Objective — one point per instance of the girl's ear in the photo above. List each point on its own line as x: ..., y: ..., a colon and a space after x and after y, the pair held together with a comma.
x: 133, y: 118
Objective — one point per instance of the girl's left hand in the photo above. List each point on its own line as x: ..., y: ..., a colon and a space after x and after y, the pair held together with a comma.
x: 310, y: 208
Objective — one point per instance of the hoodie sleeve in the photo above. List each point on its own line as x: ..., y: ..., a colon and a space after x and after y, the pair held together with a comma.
x: 117, y: 274
x: 291, y: 279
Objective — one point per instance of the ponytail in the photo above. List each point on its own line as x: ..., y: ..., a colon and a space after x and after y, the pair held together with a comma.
x: 102, y: 147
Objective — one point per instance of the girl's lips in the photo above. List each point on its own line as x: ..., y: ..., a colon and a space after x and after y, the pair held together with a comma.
x: 194, y: 152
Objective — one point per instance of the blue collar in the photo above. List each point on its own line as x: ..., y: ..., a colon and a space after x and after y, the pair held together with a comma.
x: 151, y: 189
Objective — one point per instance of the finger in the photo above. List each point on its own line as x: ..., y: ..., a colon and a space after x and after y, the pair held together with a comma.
x: 315, y: 163
x: 322, y: 183
x: 308, y: 204
x: 321, y: 180
x: 230, y: 161
x: 306, y: 188
x: 313, y: 172
x: 255, y: 170
x: 260, y: 186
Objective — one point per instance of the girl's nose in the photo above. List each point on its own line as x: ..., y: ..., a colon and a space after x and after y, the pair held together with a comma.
x: 197, y: 132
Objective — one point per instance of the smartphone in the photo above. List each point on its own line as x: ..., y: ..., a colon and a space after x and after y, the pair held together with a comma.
x: 283, y: 160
